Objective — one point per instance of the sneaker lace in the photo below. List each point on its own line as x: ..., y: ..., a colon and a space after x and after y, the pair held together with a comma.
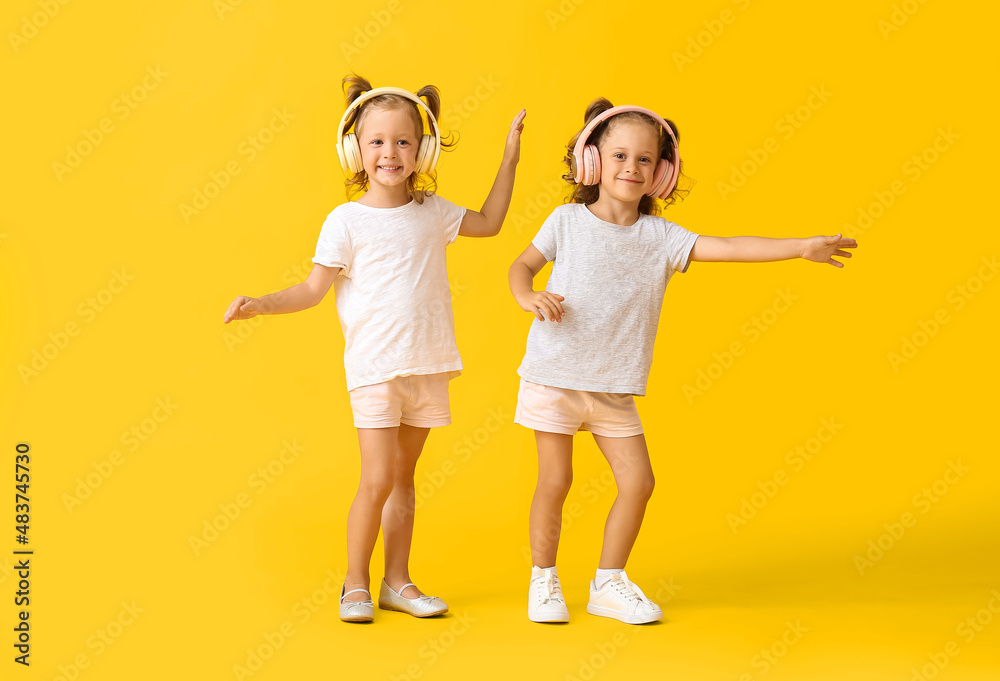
x: 628, y: 590
x: 549, y: 588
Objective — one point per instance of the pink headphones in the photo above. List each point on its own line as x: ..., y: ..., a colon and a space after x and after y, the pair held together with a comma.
x: 587, y: 159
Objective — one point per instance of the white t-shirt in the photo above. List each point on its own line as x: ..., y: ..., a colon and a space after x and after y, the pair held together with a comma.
x: 393, y: 301
x: 613, y: 279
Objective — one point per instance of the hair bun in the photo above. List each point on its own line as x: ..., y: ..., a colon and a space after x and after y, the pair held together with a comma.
x: 596, y: 108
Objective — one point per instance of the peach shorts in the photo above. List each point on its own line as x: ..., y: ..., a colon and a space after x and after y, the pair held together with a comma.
x: 559, y: 410
x: 419, y: 400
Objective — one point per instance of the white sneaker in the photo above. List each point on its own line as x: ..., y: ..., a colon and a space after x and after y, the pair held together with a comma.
x: 622, y: 600
x: 545, y: 598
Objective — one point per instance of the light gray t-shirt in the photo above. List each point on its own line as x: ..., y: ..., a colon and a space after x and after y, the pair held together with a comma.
x: 613, y: 279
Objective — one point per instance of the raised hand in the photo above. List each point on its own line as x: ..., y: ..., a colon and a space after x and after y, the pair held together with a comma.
x: 512, y: 150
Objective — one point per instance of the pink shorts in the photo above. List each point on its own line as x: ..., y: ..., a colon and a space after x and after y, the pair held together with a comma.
x: 559, y: 410
x: 419, y: 400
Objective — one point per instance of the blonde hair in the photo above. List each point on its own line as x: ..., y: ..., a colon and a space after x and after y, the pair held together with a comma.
x: 588, y: 194
x: 419, y: 185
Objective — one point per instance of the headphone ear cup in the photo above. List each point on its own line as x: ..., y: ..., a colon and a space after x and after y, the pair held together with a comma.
x: 671, y: 179
x: 660, y: 178
x: 425, y: 155
x: 352, y: 153
x: 591, y: 165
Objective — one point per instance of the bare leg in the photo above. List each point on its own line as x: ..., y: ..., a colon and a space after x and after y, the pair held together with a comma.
x: 397, y: 515
x: 555, y: 475
x: 378, y: 454
x: 630, y: 465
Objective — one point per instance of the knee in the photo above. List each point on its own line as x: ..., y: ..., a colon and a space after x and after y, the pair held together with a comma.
x: 639, y: 487
x: 375, y: 488
x: 554, y: 486
x: 402, y: 476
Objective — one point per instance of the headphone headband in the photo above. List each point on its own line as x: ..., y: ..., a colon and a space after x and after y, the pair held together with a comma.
x: 581, y: 141
x: 371, y: 94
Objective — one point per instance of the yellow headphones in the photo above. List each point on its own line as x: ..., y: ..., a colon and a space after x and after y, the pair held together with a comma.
x: 349, y: 150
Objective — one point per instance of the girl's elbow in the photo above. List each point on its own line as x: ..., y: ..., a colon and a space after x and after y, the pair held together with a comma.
x: 314, y: 298
x: 487, y: 229
x: 520, y: 267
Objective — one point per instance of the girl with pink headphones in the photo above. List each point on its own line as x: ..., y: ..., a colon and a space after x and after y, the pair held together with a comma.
x: 384, y: 254
x: 612, y: 259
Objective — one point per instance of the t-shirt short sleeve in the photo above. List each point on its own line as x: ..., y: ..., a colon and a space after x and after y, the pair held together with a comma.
x: 679, y: 244
x: 333, y: 249
x: 450, y: 217
x: 545, y: 241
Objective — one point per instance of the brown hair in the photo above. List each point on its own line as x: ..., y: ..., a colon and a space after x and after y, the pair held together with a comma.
x: 419, y: 185
x: 588, y: 194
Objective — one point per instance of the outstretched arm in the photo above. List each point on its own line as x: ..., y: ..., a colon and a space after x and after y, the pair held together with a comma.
x: 489, y: 219
x: 520, y: 277
x: 764, y: 249
x: 291, y: 299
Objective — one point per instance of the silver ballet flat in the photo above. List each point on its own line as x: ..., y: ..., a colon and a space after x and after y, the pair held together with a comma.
x: 421, y: 606
x: 356, y: 611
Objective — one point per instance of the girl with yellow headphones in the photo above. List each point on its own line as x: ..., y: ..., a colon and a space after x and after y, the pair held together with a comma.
x: 384, y: 254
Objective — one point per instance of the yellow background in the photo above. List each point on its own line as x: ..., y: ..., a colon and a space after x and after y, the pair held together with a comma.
x: 727, y: 594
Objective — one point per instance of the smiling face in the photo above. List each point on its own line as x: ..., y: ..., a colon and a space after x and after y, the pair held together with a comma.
x: 389, y: 140
x: 630, y: 150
